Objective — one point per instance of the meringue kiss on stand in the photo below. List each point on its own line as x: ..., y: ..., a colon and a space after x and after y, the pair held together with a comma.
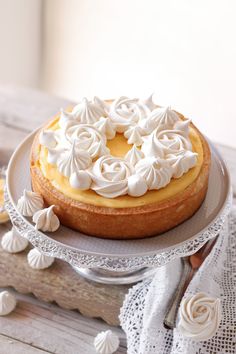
x: 13, y: 242
x: 106, y: 342
x: 29, y: 203
x: 46, y: 220
x: 37, y: 260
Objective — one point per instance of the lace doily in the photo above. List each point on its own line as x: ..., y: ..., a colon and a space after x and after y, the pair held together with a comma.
x: 145, y: 305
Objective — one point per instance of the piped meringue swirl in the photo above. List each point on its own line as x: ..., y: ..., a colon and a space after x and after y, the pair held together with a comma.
x: 110, y: 176
x: 88, y: 112
x: 126, y: 111
x: 156, y: 172
x: 88, y: 137
x: 73, y: 160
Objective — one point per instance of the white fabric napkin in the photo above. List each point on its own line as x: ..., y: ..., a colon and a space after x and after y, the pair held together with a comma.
x: 146, y: 303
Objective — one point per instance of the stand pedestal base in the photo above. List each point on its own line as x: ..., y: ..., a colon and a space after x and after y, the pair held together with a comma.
x: 101, y: 276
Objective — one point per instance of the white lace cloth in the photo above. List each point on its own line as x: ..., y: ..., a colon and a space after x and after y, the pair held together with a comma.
x: 145, y: 305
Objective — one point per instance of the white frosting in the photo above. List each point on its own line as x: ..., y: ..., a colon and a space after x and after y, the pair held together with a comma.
x: 106, y: 127
x: 78, y: 148
x: 156, y: 172
x: 137, y: 186
x: 88, y: 112
x: 149, y: 102
x: 87, y: 137
x: 181, y: 162
x: 134, y: 155
x: 106, y: 342
x: 37, y: 260
x: 66, y: 119
x: 7, y: 303
x: 48, y: 138
x: 80, y: 180
x: 134, y: 135
x: 13, y: 242
x: 162, y: 116
x: 110, y: 176
x: 29, y: 203
x: 104, y: 105
x: 73, y: 160
x: 199, y: 316
x: 126, y: 111
x: 167, y: 141
x: 46, y: 220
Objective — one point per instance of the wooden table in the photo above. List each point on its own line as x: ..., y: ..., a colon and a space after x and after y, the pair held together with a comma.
x: 36, y: 326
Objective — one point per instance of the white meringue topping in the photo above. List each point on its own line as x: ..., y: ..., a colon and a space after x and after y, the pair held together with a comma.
x: 46, y: 220
x: 149, y: 102
x: 78, y: 148
x: 13, y: 242
x: 7, y: 303
x: 80, y: 180
x: 134, y: 135
x: 29, y: 203
x: 156, y: 172
x: 199, y: 316
x: 89, y: 138
x: 106, y: 342
x: 134, y: 155
x: 110, y: 176
x: 126, y: 111
x: 37, y: 260
x: 67, y: 119
x: 88, y: 112
x: 47, y: 138
x: 73, y: 160
x: 182, y: 162
x: 106, y: 127
x: 137, y: 186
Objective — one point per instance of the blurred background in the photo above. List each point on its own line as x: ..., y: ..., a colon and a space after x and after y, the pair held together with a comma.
x: 184, y: 51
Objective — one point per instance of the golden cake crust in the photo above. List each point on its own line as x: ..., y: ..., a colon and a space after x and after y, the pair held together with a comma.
x: 123, y: 223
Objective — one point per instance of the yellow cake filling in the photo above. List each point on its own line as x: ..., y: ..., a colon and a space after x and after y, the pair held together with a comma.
x: 119, y: 147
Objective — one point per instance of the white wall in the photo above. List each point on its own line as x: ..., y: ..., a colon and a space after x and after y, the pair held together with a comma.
x: 20, y: 42
x: 182, y: 50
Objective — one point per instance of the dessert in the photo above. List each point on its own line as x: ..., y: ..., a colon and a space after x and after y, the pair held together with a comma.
x: 120, y: 169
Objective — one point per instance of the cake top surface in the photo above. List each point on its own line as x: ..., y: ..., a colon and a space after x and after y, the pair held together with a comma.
x: 158, y: 140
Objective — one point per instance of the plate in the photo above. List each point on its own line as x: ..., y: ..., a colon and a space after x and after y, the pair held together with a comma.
x: 83, y: 250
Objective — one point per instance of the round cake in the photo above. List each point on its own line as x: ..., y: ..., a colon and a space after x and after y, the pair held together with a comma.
x: 120, y: 169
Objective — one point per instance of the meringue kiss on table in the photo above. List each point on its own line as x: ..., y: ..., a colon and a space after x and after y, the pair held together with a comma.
x: 7, y: 303
x: 37, y: 260
x: 106, y: 342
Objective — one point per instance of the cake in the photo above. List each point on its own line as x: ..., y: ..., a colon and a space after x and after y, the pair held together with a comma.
x: 120, y: 169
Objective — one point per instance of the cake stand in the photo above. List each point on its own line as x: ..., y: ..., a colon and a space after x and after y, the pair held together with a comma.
x: 120, y: 261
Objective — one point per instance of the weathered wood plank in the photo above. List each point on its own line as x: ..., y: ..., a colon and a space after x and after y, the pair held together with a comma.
x: 51, y: 329
x: 12, y: 346
x: 61, y: 284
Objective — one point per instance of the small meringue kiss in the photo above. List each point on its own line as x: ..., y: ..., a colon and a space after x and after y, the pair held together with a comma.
x: 137, y: 186
x: 29, y: 203
x: 47, y: 138
x: 7, y: 303
x: 80, y: 180
x: 37, y: 260
x: 106, y: 342
x: 46, y: 220
x: 13, y: 242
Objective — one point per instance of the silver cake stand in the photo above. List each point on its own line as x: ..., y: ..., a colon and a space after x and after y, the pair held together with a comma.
x: 119, y: 261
